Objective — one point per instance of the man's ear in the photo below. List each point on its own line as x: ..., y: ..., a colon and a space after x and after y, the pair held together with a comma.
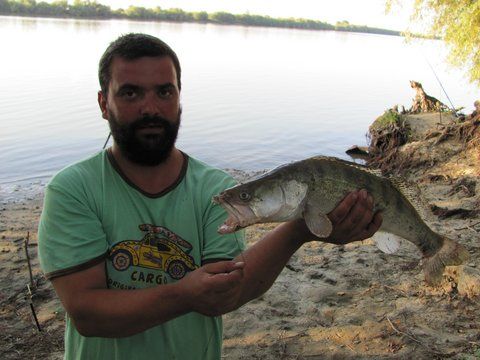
x: 102, y: 102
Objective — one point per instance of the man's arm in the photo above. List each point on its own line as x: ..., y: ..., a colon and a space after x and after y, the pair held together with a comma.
x: 99, y: 311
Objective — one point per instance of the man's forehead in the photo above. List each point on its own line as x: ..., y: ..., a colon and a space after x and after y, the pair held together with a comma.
x: 154, y: 68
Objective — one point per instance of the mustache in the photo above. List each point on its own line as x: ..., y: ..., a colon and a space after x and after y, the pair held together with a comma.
x: 149, y: 121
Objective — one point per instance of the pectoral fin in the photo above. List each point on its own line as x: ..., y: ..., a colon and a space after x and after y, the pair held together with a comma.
x: 387, y: 242
x: 319, y: 224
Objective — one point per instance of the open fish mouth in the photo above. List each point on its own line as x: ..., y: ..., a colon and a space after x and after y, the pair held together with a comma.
x: 233, y: 221
x: 238, y: 216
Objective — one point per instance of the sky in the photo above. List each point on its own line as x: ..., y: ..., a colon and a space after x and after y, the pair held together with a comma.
x: 358, y: 12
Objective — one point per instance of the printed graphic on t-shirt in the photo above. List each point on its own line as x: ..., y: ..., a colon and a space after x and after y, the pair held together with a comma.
x: 159, y: 249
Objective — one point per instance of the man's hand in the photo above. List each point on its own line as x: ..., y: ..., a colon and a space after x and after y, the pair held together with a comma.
x: 353, y: 219
x: 214, y: 289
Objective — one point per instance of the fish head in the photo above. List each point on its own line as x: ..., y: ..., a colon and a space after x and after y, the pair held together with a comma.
x: 258, y: 202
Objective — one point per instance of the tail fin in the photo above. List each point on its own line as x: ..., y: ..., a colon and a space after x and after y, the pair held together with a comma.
x: 450, y: 254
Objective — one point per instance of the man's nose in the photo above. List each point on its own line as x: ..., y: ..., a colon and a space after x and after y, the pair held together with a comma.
x: 150, y: 105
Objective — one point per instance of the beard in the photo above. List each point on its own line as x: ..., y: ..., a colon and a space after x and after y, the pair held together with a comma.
x: 149, y: 149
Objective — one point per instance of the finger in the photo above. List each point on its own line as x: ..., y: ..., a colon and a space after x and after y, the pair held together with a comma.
x: 370, y: 201
x: 223, y: 267
x: 370, y: 229
x: 223, y: 302
x: 354, y: 226
x: 360, y: 211
x: 343, y: 208
x: 223, y: 282
x: 228, y: 292
x: 375, y: 224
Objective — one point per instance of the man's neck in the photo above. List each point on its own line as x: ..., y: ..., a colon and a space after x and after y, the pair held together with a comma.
x: 151, y: 179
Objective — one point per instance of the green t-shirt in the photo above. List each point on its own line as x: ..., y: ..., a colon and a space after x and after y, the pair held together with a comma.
x: 93, y: 213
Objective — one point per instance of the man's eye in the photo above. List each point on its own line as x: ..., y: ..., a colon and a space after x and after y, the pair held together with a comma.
x: 165, y: 93
x: 128, y: 94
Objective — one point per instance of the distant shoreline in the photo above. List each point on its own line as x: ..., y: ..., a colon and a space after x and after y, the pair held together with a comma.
x: 401, y: 34
x: 392, y: 32
x: 85, y: 10
x: 368, y: 30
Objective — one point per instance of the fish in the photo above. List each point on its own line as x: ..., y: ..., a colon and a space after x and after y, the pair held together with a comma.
x: 312, y: 187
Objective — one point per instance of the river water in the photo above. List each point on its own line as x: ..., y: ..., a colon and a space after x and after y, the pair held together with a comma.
x: 252, y: 98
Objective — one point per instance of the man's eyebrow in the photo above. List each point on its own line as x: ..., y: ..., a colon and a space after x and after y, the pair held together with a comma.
x: 168, y: 85
x: 128, y: 86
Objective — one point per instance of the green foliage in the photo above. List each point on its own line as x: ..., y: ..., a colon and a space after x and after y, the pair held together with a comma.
x: 223, y: 18
x: 389, y: 118
x: 137, y: 12
x: 88, y: 9
x: 201, y: 16
x: 458, y: 23
x: 342, y: 23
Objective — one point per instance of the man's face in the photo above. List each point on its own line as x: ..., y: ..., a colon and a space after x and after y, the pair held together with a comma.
x: 143, y: 108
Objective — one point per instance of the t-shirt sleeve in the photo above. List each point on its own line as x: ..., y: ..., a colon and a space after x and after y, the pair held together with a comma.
x: 70, y: 234
x: 218, y: 246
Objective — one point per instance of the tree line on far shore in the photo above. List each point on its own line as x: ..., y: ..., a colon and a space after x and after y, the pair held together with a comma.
x: 92, y: 10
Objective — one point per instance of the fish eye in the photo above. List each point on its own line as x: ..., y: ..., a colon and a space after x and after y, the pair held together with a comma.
x: 244, y: 196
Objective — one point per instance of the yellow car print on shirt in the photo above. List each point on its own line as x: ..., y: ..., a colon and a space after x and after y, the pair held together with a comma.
x: 157, y: 250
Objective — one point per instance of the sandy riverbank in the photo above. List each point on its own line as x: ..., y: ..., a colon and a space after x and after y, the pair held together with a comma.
x: 331, y: 302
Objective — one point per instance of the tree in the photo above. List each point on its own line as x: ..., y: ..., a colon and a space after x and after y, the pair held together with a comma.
x: 4, y: 6
x: 176, y: 14
x: 87, y: 8
x: 223, y: 17
x: 201, y: 16
x: 138, y: 12
x: 457, y: 22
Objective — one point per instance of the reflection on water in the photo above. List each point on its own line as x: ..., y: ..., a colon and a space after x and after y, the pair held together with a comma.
x: 253, y: 98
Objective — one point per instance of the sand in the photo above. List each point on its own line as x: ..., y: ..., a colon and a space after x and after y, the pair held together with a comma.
x: 330, y: 302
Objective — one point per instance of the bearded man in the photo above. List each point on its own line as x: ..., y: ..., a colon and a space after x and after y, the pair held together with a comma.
x: 129, y: 238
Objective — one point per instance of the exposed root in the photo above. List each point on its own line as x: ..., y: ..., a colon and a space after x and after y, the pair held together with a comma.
x: 466, y: 132
x: 386, y: 135
x: 388, y: 153
x: 458, y: 213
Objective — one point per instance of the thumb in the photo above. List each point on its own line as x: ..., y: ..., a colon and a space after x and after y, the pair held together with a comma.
x: 223, y: 267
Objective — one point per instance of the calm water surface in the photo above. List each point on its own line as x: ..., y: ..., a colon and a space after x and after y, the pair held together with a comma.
x: 253, y: 98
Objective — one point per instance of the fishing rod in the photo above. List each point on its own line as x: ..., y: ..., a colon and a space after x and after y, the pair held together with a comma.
x: 441, y: 85
x: 106, y: 141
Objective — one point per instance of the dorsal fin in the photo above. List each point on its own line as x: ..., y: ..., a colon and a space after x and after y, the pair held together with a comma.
x: 361, y: 167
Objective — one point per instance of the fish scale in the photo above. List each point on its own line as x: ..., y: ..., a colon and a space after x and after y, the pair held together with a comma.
x: 400, y: 216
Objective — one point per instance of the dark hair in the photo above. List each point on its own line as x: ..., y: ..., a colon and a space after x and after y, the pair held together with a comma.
x: 130, y: 47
